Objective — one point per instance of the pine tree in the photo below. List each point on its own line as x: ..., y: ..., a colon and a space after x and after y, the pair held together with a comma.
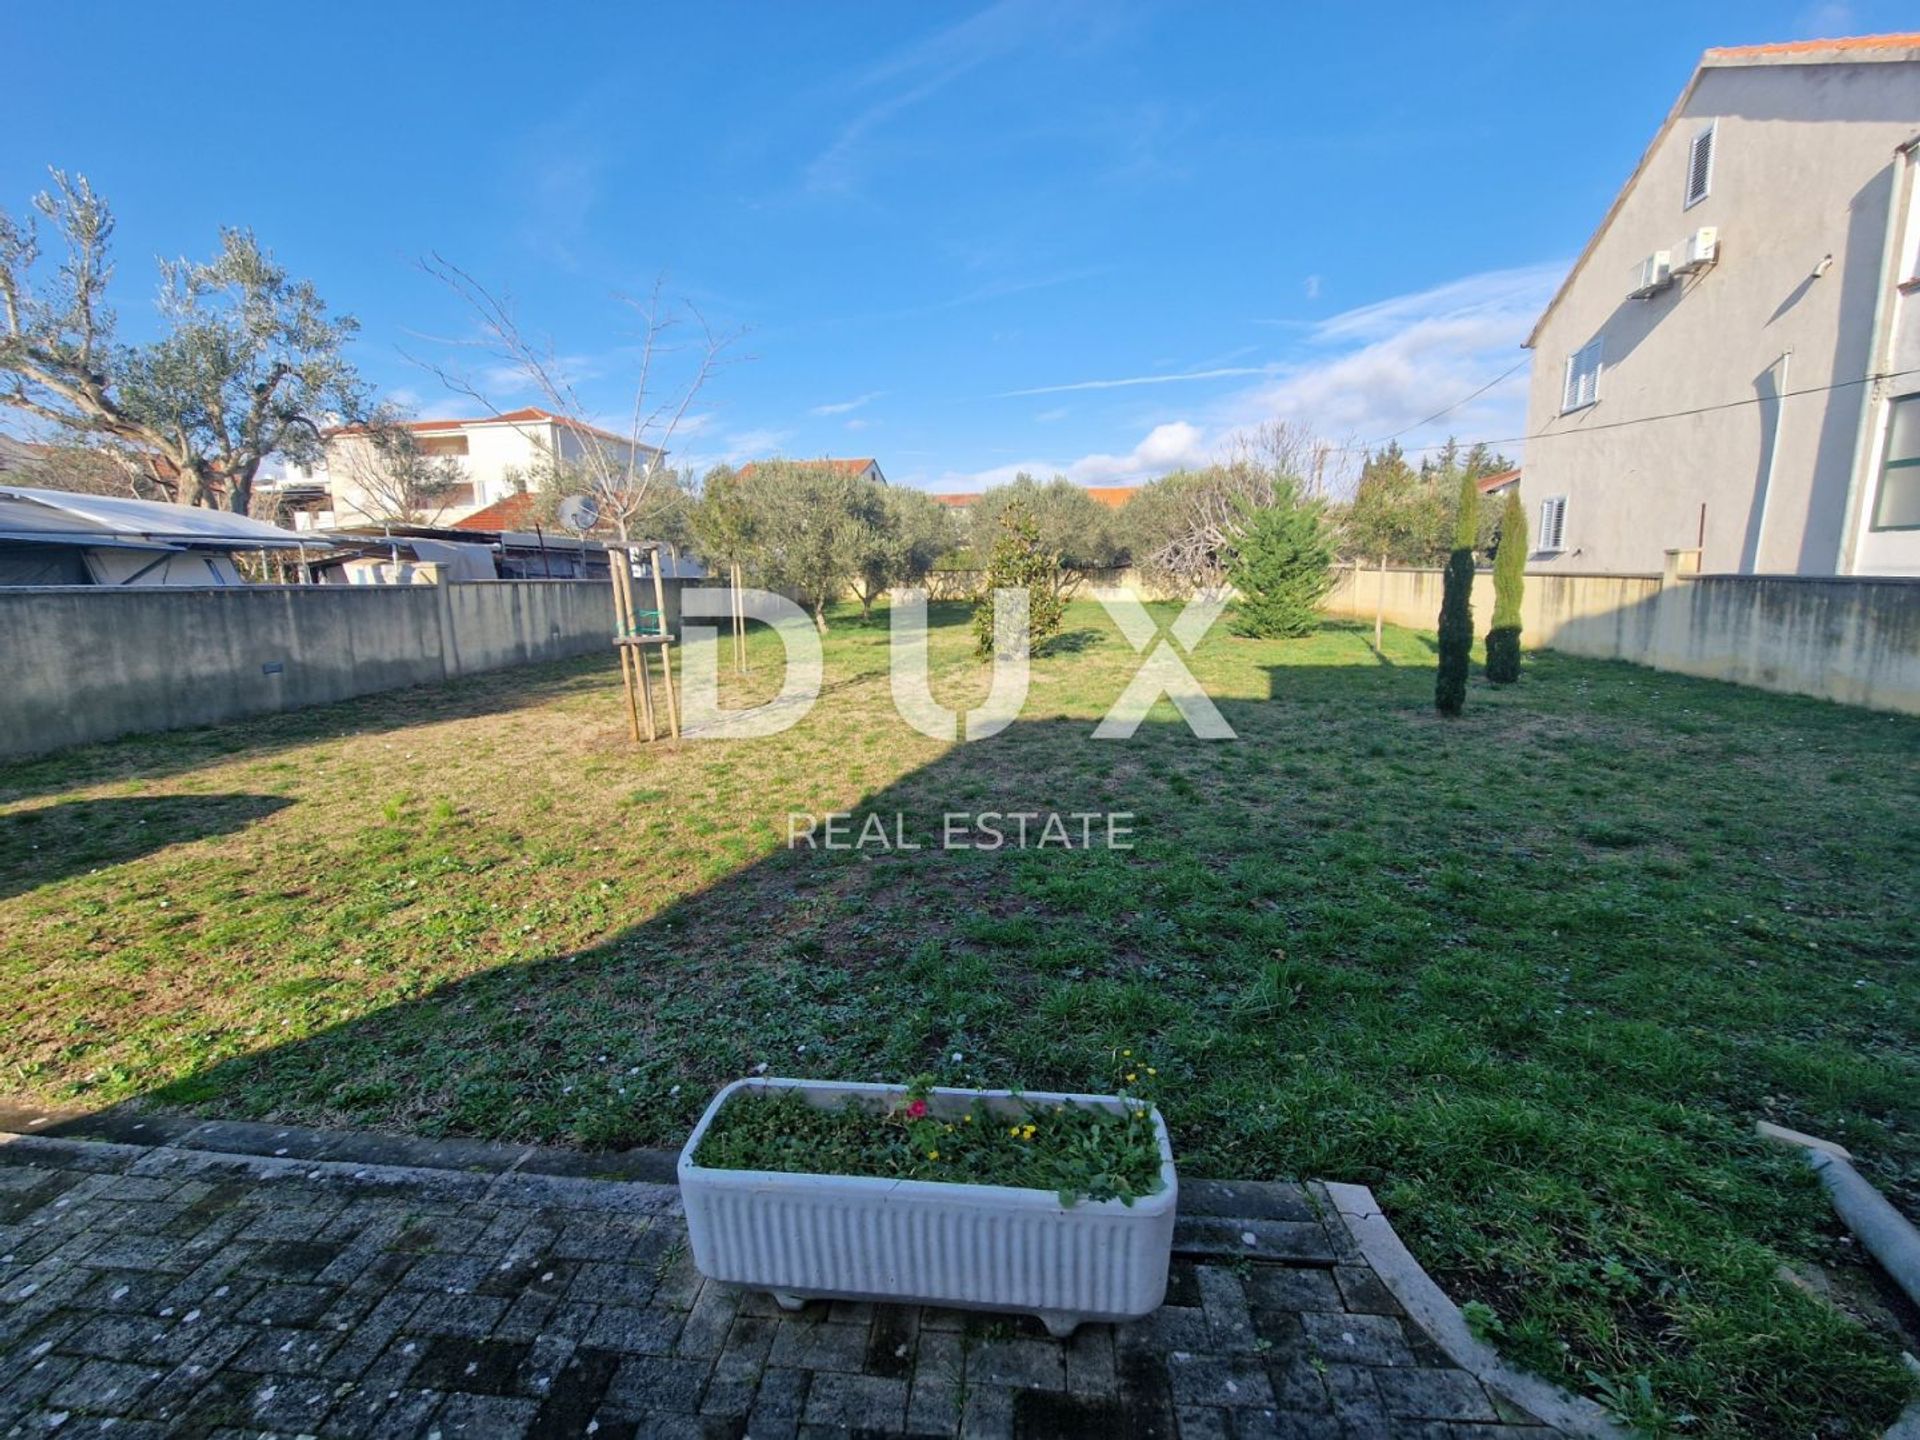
x: 1456, y: 605
x: 1282, y: 566
x: 1509, y: 583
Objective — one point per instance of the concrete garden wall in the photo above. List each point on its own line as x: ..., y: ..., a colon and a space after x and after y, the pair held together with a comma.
x: 90, y: 662
x: 1846, y: 638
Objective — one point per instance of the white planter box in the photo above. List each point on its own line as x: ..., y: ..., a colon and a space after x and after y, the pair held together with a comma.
x: 981, y: 1247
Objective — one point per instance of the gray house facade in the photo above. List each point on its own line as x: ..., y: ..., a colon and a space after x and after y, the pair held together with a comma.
x: 1733, y: 364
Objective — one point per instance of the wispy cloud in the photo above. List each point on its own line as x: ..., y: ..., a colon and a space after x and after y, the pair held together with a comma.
x: 913, y: 74
x: 1363, y: 374
x: 1219, y: 372
x: 1047, y: 417
x: 844, y: 407
x: 1311, y: 287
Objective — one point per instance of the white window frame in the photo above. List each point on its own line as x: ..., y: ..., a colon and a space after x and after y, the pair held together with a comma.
x: 1711, y: 136
x: 1580, y: 384
x: 1553, y: 538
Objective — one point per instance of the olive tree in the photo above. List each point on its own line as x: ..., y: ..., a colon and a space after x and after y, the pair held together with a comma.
x: 247, y: 362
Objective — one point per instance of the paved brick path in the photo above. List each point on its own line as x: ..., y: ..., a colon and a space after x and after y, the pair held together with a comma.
x: 148, y: 1291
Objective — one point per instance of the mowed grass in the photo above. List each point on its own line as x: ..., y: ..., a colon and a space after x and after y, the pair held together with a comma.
x: 1532, y: 974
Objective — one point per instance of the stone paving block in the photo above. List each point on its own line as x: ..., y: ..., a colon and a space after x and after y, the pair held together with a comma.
x: 1364, y: 1292
x: 1198, y: 1422
x: 1348, y: 1390
x: 705, y: 1330
x: 893, y: 1336
x: 575, y: 1392
x: 806, y: 1346
x: 859, y: 1402
x: 1422, y: 1394
x: 404, y: 1416
x: 285, y: 1305
x: 104, y: 1387
x: 1019, y: 1364
x: 658, y: 1383
x: 987, y: 1413
x: 1281, y: 1241
x: 1229, y: 1382
x: 495, y: 1417
x: 607, y: 1283
x: 1246, y: 1199
x: 1357, y: 1339
x: 476, y: 1367
x: 287, y: 1352
x: 1171, y: 1327
x: 1288, y: 1287
x: 471, y: 1315
x: 547, y: 1356
x: 635, y: 1331
x: 781, y: 1401
x: 1089, y: 1357
x: 1224, y: 1301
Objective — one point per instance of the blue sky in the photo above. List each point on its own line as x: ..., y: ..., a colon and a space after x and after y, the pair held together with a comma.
x: 1098, y: 238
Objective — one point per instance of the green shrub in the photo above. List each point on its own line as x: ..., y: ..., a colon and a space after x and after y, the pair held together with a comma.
x: 1456, y: 606
x: 1021, y: 562
x: 1509, y: 584
x: 1282, y: 566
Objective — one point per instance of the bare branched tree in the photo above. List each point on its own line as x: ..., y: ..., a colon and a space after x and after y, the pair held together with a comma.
x: 1185, y: 525
x: 249, y: 354
x: 398, y: 481
x: 626, y: 475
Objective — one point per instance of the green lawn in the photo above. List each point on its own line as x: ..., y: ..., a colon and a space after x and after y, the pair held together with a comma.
x: 1531, y: 974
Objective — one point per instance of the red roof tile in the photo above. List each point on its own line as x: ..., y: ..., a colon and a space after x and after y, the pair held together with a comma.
x: 857, y: 466
x: 1908, y: 40
x: 1489, y: 483
x: 515, y: 512
x: 526, y: 415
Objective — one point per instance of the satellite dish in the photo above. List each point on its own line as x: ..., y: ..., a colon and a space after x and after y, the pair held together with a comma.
x: 579, y: 514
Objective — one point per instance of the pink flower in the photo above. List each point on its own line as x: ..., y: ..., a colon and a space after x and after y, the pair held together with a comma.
x: 916, y: 1109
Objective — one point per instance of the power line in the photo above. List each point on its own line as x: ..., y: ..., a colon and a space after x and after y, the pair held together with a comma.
x: 1645, y: 419
x: 1384, y: 439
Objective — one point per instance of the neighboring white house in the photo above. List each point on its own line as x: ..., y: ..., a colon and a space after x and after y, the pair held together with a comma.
x: 1734, y: 362
x: 497, y: 455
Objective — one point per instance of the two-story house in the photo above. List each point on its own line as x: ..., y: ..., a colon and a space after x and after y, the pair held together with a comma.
x: 497, y: 455
x: 1733, y: 363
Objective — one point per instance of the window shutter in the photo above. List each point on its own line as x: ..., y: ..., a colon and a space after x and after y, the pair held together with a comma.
x: 1570, y: 386
x: 1700, y: 165
x: 1553, y: 522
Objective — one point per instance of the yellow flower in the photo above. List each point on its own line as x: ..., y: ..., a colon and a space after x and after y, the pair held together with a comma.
x: 1131, y: 1077
x: 1014, y: 1130
x: 933, y: 1154
x: 1026, y: 1132
x: 967, y: 1119
x: 1152, y: 1071
x: 1128, y: 1054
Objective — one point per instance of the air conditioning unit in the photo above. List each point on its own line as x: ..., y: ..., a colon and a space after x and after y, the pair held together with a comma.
x: 1656, y: 273
x: 1702, y: 249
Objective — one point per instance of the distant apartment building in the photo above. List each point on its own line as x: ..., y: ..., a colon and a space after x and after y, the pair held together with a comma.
x: 497, y: 456
x: 1733, y: 363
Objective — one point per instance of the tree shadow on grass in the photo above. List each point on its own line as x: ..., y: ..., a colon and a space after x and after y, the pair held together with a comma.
x: 51, y: 842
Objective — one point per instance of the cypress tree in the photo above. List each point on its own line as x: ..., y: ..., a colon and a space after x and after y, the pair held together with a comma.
x: 1456, y: 604
x: 1509, y: 583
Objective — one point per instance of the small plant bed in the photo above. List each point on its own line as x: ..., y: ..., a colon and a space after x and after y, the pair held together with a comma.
x: 1079, y: 1152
